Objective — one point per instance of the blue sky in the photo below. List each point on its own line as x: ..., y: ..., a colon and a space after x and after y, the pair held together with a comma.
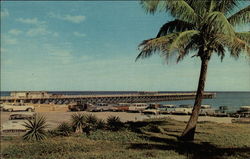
x: 93, y: 45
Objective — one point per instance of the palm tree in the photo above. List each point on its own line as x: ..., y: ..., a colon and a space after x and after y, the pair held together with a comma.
x: 78, y: 122
x: 35, y: 128
x: 205, y: 27
x: 114, y: 123
x: 64, y: 129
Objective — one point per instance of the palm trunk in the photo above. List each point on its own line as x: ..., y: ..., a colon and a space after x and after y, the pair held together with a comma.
x: 79, y: 130
x: 189, y: 131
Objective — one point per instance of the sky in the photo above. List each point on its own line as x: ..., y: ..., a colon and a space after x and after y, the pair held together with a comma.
x: 92, y: 46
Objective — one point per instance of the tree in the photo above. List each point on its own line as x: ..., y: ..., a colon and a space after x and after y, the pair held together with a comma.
x: 78, y: 121
x: 205, y: 27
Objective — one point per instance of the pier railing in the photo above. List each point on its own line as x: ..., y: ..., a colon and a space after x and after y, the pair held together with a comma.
x: 108, y: 98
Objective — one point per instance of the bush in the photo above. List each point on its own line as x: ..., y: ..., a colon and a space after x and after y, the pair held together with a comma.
x: 64, y: 129
x: 114, y: 123
x: 78, y: 122
x: 101, y: 124
x: 91, y: 119
x: 36, y: 128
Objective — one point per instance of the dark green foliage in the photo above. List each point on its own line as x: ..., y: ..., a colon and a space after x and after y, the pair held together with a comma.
x: 64, y: 129
x: 35, y: 128
x: 114, y: 123
x: 101, y: 124
x: 91, y: 123
x: 91, y: 119
x: 78, y: 122
x: 124, y: 136
x: 214, y: 141
x: 53, y: 133
x: 45, y: 148
x: 153, y: 128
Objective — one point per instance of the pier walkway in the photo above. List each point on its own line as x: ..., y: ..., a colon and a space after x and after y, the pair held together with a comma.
x: 111, y: 98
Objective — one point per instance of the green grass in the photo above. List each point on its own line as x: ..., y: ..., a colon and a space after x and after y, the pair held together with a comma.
x: 153, y: 139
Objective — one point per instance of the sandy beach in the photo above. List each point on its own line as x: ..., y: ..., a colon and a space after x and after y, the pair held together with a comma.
x: 56, y: 114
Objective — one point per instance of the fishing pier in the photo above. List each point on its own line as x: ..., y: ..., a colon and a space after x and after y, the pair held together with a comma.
x: 46, y: 98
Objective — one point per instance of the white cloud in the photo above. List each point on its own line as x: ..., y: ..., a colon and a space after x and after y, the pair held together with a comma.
x: 37, y: 31
x: 79, y: 34
x: 15, y: 31
x: 33, y: 21
x: 8, y: 40
x: 69, y: 18
x: 4, y: 13
x: 59, y: 53
x: 3, y: 50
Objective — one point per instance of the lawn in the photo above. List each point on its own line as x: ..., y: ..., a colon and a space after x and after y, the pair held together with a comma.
x: 154, y: 139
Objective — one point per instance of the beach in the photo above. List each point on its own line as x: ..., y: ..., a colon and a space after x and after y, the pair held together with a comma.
x: 56, y: 114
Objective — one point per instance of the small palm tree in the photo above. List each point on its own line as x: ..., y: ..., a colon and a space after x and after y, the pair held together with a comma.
x: 78, y: 122
x: 91, y: 119
x: 202, y: 26
x: 114, y: 123
x: 100, y: 124
x: 35, y: 128
x: 64, y: 129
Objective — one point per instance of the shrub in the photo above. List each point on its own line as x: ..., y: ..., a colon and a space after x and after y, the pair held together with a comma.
x: 36, y: 128
x: 101, y: 124
x: 78, y: 122
x: 114, y: 123
x: 91, y: 119
x: 53, y: 132
x: 64, y: 129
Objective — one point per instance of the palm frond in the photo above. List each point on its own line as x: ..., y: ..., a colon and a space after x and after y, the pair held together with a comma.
x: 241, y: 17
x: 217, y: 22
x: 155, y: 45
x: 175, y: 26
x: 182, y: 40
x: 101, y: 124
x: 211, y: 5
x: 114, y: 123
x: 179, y: 9
x: 150, y: 6
x: 225, y: 6
x: 200, y: 7
x: 236, y: 46
x: 35, y: 128
x: 182, y: 10
x: 244, y: 36
x: 64, y: 129
x: 78, y: 121
x: 193, y: 44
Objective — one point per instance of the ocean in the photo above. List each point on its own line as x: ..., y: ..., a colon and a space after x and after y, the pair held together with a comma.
x: 231, y: 99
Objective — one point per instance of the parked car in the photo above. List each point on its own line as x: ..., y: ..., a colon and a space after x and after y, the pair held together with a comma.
x: 223, y: 111
x: 16, y: 121
x: 99, y: 107
x: 167, y: 109
x: 207, y: 110
x: 17, y: 107
x: 137, y: 107
x: 78, y: 106
x: 152, y: 109
x: 184, y: 109
x: 122, y: 107
x: 244, y: 111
